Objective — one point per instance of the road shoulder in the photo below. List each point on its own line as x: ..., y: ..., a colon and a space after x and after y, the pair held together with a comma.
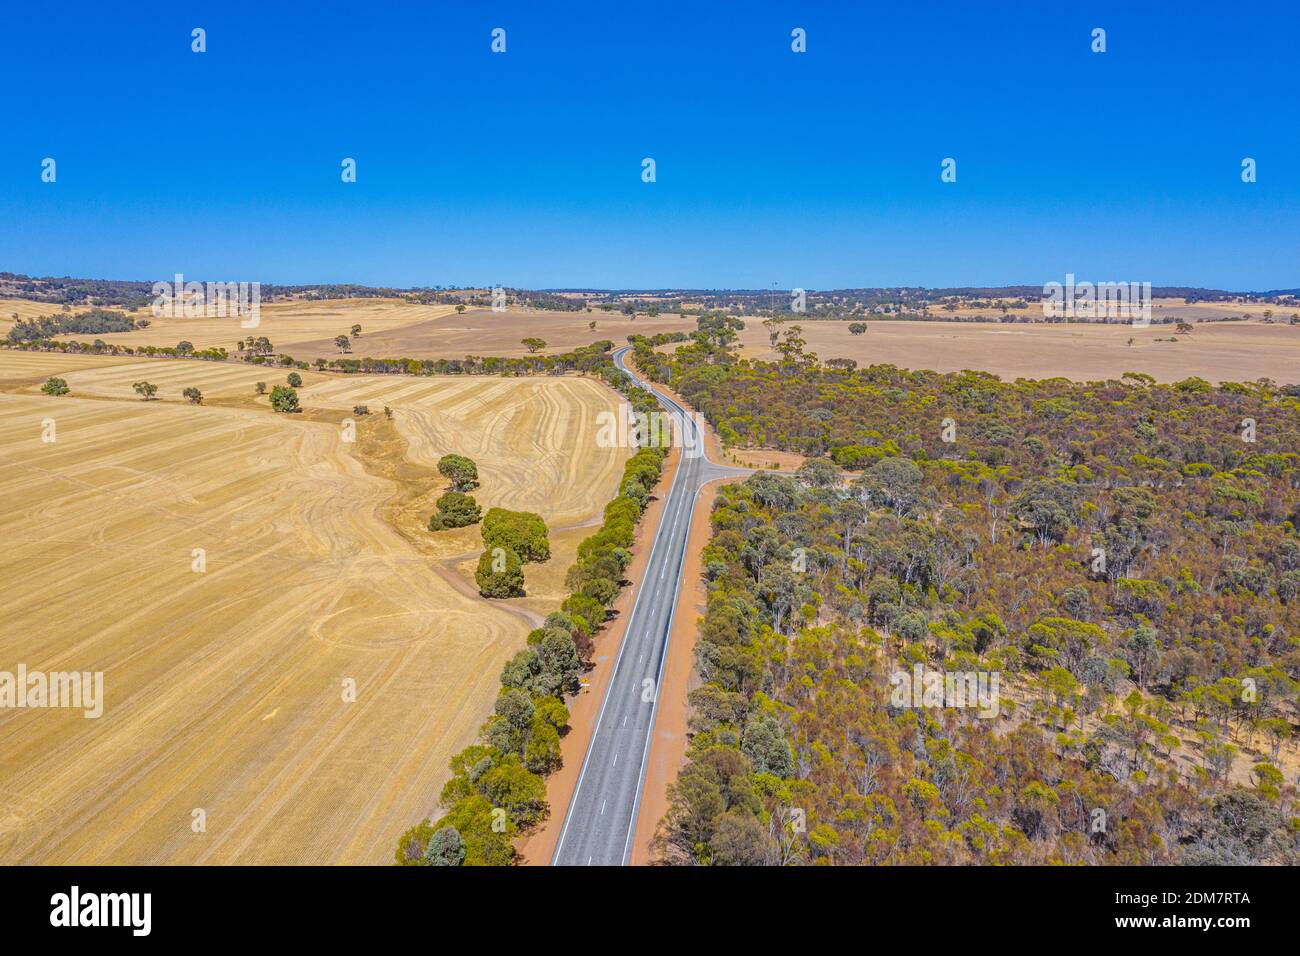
x: 669, y: 737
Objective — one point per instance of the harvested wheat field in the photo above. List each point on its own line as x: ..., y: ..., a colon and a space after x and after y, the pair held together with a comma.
x: 1215, y: 351
x: 11, y: 309
x: 484, y: 332
x: 173, y: 376
x: 226, y: 688
x: 533, y: 438
x: 285, y: 322
x: 18, y: 367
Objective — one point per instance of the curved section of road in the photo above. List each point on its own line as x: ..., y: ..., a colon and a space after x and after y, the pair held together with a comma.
x: 601, y: 818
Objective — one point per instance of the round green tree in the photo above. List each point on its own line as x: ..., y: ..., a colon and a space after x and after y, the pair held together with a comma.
x: 460, y: 471
x: 284, y: 399
x: 446, y: 848
x: 455, y: 510
x: 500, y: 573
x: 522, y: 532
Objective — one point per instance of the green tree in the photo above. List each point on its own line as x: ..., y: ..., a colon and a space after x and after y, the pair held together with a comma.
x: 460, y: 471
x: 55, y: 386
x: 284, y: 399
x: 500, y: 573
x: 764, y: 743
x: 542, y: 752
x: 513, y: 787
x: 146, y: 390
x: 455, y: 510
x: 194, y: 395
x: 446, y: 848
x: 412, y: 845
x: 294, y: 380
x: 892, y: 483
x: 521, y: 532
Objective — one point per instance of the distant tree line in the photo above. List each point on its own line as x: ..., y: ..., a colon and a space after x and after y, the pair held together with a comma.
x: 92, y: 322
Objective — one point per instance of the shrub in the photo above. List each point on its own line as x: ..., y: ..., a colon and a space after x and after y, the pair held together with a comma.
x: 55, y: 386
x: 455, y: 510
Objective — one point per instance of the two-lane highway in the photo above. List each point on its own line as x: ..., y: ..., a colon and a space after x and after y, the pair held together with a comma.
x: 601, y: 818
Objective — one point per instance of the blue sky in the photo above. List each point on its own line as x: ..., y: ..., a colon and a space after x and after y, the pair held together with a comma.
x: 818, y: 170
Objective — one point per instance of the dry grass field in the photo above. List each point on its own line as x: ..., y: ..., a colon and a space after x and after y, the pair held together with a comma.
x: 1219, y: 351
x: 225, y: 689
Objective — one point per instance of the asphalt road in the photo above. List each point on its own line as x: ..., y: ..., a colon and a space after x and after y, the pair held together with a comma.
x: 601, y: 818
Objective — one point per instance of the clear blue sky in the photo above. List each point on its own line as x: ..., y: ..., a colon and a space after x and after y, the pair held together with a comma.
x: 818, y: 170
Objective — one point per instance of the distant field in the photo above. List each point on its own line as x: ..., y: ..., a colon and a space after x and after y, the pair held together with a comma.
x: 1221, y: 351
x: 394, y: 328
x: 285, y: 323
x: 390, y: 328
x: 23, y: 309
x: 224, y: 689
x: 484, y: 332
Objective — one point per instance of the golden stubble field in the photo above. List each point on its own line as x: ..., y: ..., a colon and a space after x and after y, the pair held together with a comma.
x: 1215, y: 351
x: 484, y: 332
x: 285, y: 322
x: 226, y: 690
x: 390, y: 328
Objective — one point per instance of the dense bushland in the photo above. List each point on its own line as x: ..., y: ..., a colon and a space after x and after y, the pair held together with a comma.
x: 1123, y: 554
